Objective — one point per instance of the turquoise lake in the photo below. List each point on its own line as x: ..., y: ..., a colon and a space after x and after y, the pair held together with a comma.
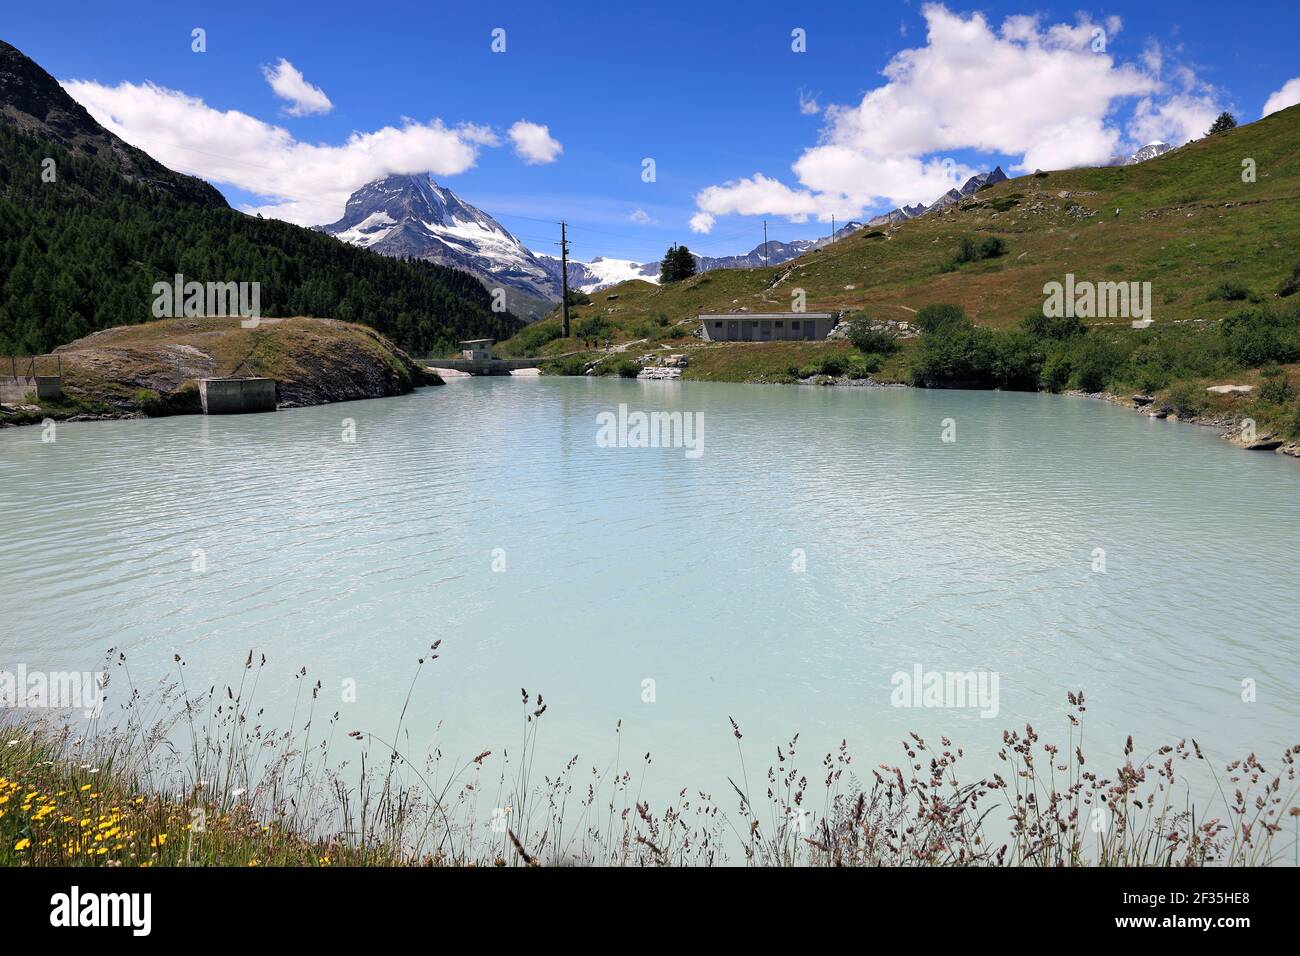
x: 824, y: 540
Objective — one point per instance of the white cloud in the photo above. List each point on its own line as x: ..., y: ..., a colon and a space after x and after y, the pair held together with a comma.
x: 534, y: 143
x: 305, y: 183
x: 808, y: 104
x: 702, y: 222
x: 1288, y: 95
x: 288, y: 83
x: 640, y: 217
x: 1043, y: 93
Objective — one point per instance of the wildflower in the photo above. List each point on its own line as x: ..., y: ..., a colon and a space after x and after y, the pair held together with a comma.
x: 23, y: 844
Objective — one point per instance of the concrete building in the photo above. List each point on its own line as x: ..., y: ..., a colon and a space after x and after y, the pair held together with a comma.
x: 237, y: 396
x: 476, y: 350
x: 767, y: 326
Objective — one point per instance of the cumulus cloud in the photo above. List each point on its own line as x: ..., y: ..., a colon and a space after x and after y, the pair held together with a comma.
x: 288, y: 83
x: 640, y: 217
x: 305, y: 183
x: 702, y: 222
x: 534, y: 143
x: 808, y: 105
x: 1288, y: 95
x: 1044, y: 93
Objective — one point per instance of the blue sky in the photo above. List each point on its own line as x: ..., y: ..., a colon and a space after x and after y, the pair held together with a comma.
x: 712, y: 94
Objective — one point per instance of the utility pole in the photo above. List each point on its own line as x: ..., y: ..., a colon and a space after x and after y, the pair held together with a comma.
x: 832, y: 227
x: 766, y: 257
x: 564, y: 278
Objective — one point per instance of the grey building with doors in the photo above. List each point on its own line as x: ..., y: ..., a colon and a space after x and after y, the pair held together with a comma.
x: 767, y: 326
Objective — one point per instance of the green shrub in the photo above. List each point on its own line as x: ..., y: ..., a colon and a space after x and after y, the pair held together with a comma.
x: 1276, y: 388
x: 149, y: 402
x: 1093, y: 361
x: 932, y: 318
x: 860, y: 366
x: 961, y: 354
x: 990, y: 247
x: 569, y: 365
x: 1187, y: 399
x: 533, y: 337
x: 1056, y: 372
x: 1048, y: 327
x: 1262, y: 336
x: 1291, y: 424
x: 1228, y: 291
x: 865, y: 338
x: 593, y: 327
x: 627, y: 368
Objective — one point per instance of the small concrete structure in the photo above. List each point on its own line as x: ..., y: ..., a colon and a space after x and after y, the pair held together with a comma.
x: 49, y: 387
x: 236, y: 396
x: 46, y: 388
x: 767, y: 326
x: 476, y: 350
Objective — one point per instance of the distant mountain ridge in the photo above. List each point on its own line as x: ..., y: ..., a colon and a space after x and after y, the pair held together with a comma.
x: 968, y: 188
x: 412, y: 216
x: 1149, y: 151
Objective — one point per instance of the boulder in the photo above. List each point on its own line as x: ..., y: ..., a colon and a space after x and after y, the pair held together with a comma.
x: 1231, y: 389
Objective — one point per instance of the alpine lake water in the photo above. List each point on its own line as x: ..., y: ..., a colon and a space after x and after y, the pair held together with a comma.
x: 823, y: 541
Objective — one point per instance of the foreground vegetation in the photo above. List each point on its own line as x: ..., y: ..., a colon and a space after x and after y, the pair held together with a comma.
x: 184, y: 779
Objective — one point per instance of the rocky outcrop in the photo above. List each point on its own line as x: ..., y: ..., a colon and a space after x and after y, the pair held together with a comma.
x: 155, y: 367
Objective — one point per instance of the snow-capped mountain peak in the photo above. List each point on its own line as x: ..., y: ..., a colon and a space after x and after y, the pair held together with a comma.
x: 411, y: 215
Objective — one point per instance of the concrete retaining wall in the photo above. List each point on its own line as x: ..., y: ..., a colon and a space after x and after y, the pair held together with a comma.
x: 236, y: 396
x: 45, y: 387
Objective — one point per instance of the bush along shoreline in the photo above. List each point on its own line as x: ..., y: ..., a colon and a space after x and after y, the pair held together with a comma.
x: 198, y: 779
x: 1241, y: 375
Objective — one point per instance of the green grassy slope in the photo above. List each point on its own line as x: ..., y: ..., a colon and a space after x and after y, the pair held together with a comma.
x: 1222, y: 255
x: 1186, y: 223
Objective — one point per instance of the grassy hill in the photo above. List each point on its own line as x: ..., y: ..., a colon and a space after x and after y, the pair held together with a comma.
x: 1222, y: 255
x: 1186, y: 223
x: 153, y: 368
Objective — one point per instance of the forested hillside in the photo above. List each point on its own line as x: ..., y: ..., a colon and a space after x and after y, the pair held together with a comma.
x: 82, y: 252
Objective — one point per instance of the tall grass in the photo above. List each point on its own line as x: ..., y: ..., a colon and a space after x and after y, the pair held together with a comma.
x: 195, y: 778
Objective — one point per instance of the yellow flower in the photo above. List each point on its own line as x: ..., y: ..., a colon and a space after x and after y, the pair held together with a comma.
x: 22, y: 844
x: 159, y: 840
x: 84, y: 787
